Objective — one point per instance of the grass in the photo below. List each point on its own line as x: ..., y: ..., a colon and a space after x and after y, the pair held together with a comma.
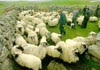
x: 78, y: 31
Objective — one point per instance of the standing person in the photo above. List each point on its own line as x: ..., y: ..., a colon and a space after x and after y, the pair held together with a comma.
x: 74, y: 18
x: 86, y: 18
x: 97, y: 11
x: 62, y: 21
x: 84, y: 9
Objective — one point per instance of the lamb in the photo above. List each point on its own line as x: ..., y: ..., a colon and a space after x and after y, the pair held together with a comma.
x: 93, y: 19
x: 27, y: 60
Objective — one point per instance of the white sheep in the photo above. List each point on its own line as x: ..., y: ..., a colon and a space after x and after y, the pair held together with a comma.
x: 69, y: 50
x: 20, y: 28
x: 44, y: 31
x: 53, y: 22
x: 79, y: 39
x: 19, y: 40
x: 91, y: 38
x: 32, y: 37
x: 80, y: 20
x: 93, y: 18
x: 27, y: 60
x: 55, y: 37
x: 38, y: 51
x: 16, y: 48
x: 53, y: 52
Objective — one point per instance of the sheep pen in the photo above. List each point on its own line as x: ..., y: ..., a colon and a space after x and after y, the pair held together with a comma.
x: 8, y: 40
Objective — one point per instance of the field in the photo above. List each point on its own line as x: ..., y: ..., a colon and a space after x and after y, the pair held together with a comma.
x: 70, y: 33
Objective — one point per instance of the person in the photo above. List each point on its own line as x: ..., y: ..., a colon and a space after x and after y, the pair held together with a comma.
x: 74, y: 18
x: 97, y: 11
x: 86, y: 18
x: 62, y: 21
x: 84, y: 9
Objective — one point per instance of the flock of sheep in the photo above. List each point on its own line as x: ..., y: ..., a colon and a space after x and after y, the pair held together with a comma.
x: 32, y: 42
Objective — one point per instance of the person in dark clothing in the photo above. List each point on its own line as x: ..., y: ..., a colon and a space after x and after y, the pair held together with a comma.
x: 84, y: 9
x: 97, y: 11
x: 62, y: 21
x: 74, y: 18
x: 86, y: 18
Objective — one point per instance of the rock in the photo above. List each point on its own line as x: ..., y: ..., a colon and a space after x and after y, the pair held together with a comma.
x: 94, y: 50
x: 53, y: 65
x: 3, y: 54
x: 6, y: 65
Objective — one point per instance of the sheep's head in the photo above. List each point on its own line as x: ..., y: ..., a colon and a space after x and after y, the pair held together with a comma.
x: 82, y: 47
x: 93, y: 34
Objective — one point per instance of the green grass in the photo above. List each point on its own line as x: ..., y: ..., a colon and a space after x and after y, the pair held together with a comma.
x: 78, y: 31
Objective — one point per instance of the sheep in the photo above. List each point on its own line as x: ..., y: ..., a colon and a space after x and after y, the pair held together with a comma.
x: 93, y: 19
x: 44, y: 31
x: 80, y: 46
x: 38, y: 51
x: 53, y: 51
x: 80, y: 20
x: 80, y: 39
x: 32, y: 37
x: 19, y: 40
x: 22, y: 14
x: 37, y: 20
x: 70, y: 49
x: 27, y: 60
x: 16, y: 48
x: 41, y: 25
x: 53, y: 22
x: 55, y: 37
x: 91, y: 38
x: 19, y: 28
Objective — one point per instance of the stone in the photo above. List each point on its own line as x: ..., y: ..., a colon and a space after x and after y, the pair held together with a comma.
x: 3, y: 54
x: 53, y: 65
